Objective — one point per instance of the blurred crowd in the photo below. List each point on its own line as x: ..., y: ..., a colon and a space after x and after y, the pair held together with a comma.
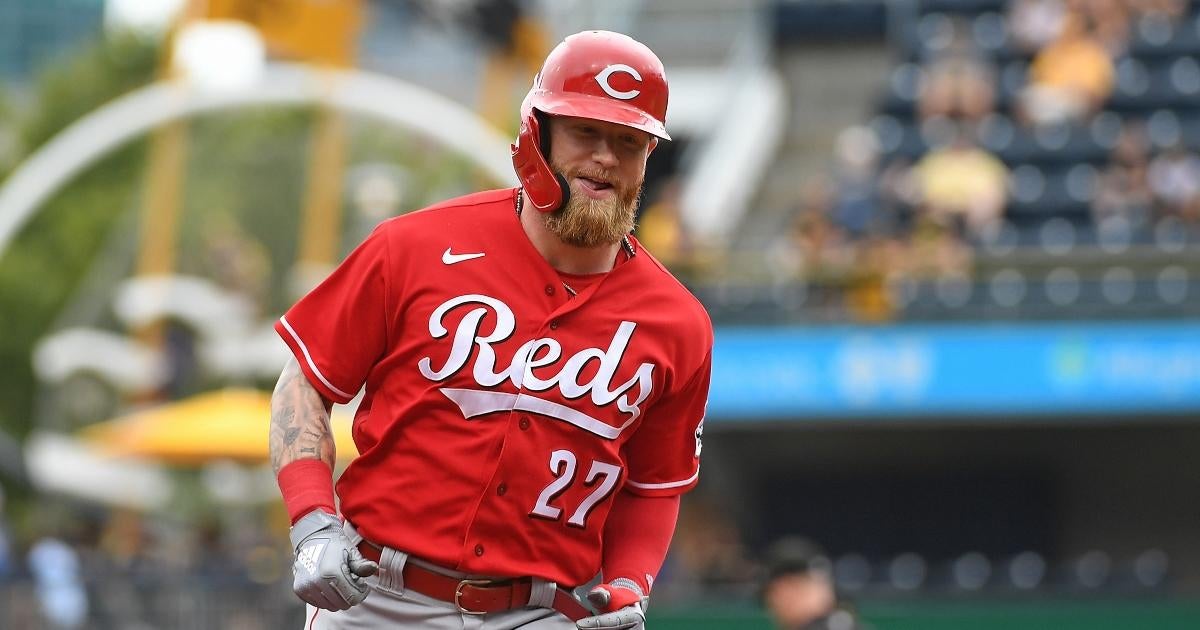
x: 891, y: 208
x: 85, y: 566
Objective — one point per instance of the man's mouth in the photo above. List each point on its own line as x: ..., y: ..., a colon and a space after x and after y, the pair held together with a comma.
x: 595, y: 187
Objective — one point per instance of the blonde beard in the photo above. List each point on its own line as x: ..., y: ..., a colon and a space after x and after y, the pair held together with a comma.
x: 587, y: 222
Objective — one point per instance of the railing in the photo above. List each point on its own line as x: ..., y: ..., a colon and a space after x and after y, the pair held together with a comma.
x: 199, y: 604
x: 119, y: 602
x: 1089, y: 283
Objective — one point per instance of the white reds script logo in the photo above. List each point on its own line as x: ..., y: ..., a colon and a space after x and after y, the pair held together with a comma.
x: 602, y: 79
x: 535, y: 353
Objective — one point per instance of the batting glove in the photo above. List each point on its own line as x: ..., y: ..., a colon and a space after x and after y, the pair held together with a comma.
x: 329, y: 570
x: 620, y: 603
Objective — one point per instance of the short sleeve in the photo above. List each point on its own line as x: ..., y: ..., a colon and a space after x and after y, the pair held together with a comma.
x: 339, y: 330
x: 664, y: 455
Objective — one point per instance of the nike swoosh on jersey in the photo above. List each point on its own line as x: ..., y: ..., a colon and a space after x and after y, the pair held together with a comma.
x: 449, y: 258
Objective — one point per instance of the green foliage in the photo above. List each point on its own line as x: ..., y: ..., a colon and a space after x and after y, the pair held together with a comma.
x: 46, y: 260
x: 79, y: 84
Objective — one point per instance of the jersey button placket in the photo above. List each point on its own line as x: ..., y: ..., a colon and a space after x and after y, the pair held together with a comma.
x: 524, y: 423
x: 479, y: 550
x: 501, y: 490
x: 549, y: 289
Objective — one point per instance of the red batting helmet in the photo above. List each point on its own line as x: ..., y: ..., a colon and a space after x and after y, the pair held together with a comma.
x: 594, y: 74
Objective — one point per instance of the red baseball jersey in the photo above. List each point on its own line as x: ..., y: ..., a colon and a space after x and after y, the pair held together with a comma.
x: 501, y: 414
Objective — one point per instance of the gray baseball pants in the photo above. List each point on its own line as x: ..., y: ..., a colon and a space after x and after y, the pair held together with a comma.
x: 390, y: 605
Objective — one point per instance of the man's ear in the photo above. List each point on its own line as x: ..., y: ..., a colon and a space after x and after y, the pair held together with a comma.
x: 653, y: 143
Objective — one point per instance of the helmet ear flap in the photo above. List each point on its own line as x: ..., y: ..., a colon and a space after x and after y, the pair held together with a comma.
x: 543, y: 127
x: 544, y: 189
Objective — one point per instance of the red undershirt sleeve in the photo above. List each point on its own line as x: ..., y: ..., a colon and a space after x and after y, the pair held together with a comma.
x: 637, y: 535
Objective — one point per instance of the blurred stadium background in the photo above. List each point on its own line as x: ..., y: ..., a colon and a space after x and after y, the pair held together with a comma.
x: 949, y: 247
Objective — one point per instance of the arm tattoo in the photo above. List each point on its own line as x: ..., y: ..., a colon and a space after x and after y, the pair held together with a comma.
x: 299, y: 421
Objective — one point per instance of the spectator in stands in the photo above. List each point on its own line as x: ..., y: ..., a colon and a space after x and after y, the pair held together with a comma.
x: 935, y: 249
x: 798, y: 590
x: 1122, y: 194
x: 856, y: 197
x: 899, y: 193
x: 1109, y: 21
x: 55, y: 567
x: 1070, y: 78
x: 128, y: 547
x: 815, y: 247
x: 1123, y: 191
x: 958, y: 83
x: 1035, y: 23
x: 1174, y: 178
x: 962, y: 184
x: 869, y: 296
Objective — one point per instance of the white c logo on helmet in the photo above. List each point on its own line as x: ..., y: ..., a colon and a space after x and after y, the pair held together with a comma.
x: 602, y: 79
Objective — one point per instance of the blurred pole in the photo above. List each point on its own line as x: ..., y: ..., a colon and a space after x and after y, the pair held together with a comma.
x: 321, y: 226
x: 166, y: 164
x: 160, y: 202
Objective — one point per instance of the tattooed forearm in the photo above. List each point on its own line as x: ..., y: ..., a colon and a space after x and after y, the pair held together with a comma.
x: 299, y: 421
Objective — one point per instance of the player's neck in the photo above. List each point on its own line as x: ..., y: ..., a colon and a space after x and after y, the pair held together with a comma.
x: 563, y: 256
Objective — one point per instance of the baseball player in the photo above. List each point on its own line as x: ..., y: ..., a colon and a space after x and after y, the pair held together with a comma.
x: 535, y: 384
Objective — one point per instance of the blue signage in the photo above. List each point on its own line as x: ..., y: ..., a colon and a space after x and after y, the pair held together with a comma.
x: 955, y: 370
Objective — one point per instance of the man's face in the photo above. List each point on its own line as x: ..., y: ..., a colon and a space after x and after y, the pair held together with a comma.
x: 604, y: 164
x: 795, y: 600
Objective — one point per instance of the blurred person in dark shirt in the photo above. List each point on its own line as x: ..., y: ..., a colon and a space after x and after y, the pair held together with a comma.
x: 798, y: 590
x: 1123, y: 192
x: 857, y: 206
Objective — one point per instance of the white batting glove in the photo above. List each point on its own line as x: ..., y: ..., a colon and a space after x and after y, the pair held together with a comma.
x: 329, y: 571
x: 621, y: 606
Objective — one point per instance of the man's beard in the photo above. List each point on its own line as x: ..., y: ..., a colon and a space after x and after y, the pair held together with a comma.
x: 587, y: 222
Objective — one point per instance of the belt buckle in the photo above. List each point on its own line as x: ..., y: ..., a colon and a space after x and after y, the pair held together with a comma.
x: 458, y: 591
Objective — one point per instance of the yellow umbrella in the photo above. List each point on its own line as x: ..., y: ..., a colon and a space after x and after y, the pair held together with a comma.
x: 225, y: 424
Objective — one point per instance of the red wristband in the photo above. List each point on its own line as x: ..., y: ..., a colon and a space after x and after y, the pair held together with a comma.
x: 636, y: 537
x: 306, y: 484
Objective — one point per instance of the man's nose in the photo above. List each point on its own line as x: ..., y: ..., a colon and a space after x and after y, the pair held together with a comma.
x: 603, y: 153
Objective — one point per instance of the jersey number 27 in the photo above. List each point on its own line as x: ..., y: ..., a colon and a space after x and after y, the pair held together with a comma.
x: 563, y: 465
